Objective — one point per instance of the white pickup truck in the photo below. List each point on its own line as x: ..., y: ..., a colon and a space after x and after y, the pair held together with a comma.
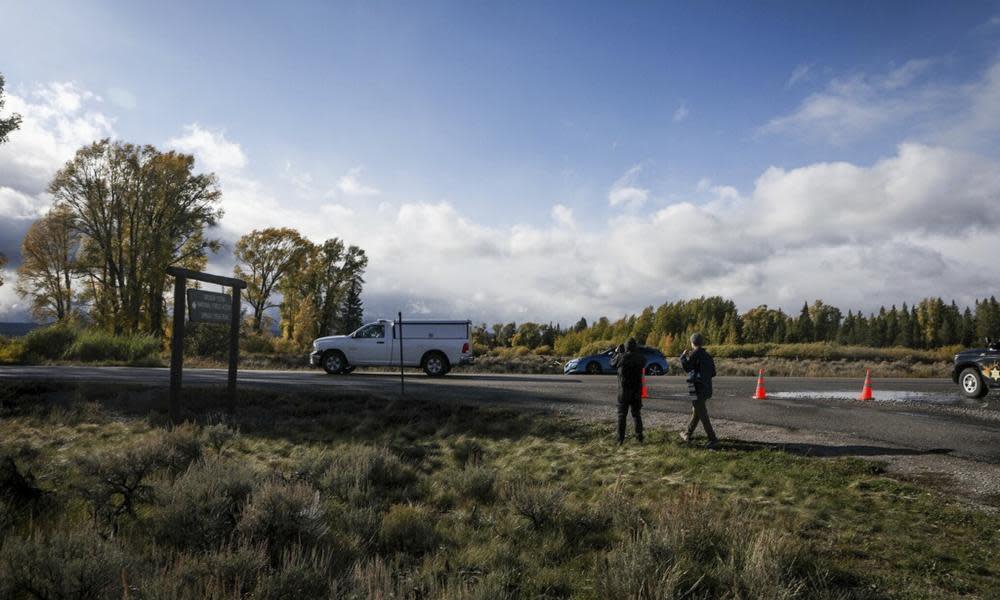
x: 434, y: 346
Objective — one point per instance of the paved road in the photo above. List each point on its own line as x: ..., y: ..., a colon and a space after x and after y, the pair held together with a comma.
x: 933, y: 418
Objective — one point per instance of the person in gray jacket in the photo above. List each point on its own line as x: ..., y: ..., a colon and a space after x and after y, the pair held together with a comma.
x: 700, y: 367
x: 631, y: 365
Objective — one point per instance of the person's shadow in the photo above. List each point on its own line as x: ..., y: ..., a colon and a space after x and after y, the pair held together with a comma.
x: 828, y: 451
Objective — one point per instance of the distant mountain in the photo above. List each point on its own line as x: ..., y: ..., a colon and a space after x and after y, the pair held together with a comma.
x: 17, y: 329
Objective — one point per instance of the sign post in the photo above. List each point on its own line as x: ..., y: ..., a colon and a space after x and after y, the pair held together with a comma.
x: 206, y: 307
x: 402, y: 377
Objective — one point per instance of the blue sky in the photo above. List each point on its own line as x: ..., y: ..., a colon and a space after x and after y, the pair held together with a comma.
x: 534, y: 131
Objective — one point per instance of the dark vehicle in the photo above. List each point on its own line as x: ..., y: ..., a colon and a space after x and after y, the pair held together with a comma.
x: 598, y: 364
x: 978, y: 370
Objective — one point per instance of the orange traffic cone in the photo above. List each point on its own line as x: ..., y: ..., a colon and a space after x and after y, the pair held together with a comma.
x: 761, y: 393
x: 866, y: 391
x: 645, y: 390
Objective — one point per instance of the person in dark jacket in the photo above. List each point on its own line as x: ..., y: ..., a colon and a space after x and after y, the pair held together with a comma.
x: 631, y: 365
x: 700, y: 367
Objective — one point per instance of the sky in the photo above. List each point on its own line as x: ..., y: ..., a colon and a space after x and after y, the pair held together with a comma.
x: 542, y: 161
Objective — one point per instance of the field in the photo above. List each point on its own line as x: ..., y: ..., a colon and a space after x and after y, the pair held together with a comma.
x: 357, y: 497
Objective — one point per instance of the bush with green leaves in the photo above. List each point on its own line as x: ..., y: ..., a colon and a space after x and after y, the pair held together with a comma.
x: 70, y: 564
x: 95, y: 345
x: 283, y: 515
x: 51, y: 342
x: 408, y: 529
x: 475, y: 482
x: 201, y: 509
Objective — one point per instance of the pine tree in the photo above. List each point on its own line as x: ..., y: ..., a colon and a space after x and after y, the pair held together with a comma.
x: 352, y: 314
x: 804, y: 327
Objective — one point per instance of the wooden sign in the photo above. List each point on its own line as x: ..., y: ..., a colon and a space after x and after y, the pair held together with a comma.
x: 209, y: 307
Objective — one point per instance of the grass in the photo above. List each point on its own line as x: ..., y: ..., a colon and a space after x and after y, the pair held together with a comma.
x: 355, y: 496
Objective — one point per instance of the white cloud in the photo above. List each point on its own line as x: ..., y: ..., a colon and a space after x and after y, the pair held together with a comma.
x: 860, y: 105
x: 563, y: 215
x: 681, y: 113
x: 351, y: 185
x: 211, y: 149
x: 799, y: 74
x: 57, y: 119
x: 626, y: 193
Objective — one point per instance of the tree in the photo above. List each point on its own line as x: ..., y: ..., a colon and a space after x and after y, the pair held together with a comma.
x: 264, y: 256
x: 320, y: 277
x: 139, y: 211
x: 10, y: 123
x: 804, y: 326
x: 354, y: 310
x: 45, y: 277
x: 3, y: 263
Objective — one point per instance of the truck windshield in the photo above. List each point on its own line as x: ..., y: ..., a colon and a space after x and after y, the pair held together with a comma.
x: 375, y: 330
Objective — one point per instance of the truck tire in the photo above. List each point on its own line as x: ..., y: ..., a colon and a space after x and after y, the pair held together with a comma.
x: 334, y: 362
x: 972, y: 383
x: 435, y: 364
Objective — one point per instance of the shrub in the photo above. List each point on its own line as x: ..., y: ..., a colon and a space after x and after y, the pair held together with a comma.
x: 476, y: 483
x: 694, y: 552
x: 359, y: 474
x: 219, y: 436
x: 96, y: 346
x: 178, y: 448
x: 408, y: 529
x: 257, y: 343
x: 542, y: 505
x: 467, y: 450
x: 544, y: 350
x: 597, y: 347
x: 300, y: 575
x: 20, y: 497
x: 522, y: 351
x: 202, y: 507
x: 209, y: 340
x: 283, y: 515
x: 49, y: 343
x: 71, y: 564
x: 231, y: 572
x: 12, y: 351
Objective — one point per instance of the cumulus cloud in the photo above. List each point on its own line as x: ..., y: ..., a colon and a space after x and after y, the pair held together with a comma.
x: 626, y: 193
x: 210, y: 148
x: 351, y: 185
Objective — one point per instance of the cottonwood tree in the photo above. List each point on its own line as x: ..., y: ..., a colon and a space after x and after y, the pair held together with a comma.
x: 316, y: 285
x: 45, y: 276
x: 264, y: 257
x: 139, y: 211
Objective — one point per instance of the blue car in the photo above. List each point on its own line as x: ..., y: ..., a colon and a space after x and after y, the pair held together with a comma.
x: 597, y: 364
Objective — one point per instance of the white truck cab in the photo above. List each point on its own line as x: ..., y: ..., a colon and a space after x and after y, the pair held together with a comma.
x: 434, y: 346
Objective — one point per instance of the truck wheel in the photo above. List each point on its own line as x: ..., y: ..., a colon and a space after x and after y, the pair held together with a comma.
x: 593, y: 368
x: 334, y: 362
x: 972, y: 384
x: 435, y: 364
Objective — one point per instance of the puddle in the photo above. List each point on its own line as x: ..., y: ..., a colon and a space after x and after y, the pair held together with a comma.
x: 880, y: 396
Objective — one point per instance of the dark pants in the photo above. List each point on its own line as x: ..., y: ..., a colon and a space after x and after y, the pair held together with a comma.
x: 700, y: 413
x: 627, y: 402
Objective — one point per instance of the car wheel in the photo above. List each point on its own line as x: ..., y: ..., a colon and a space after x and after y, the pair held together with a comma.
x: 435, y: 364
x: 334, y: 362
x: 593, y: 368
x: 654, y: 370
x: 972, y: 384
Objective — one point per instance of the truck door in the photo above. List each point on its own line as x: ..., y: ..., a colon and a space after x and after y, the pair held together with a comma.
x: 368, y: 345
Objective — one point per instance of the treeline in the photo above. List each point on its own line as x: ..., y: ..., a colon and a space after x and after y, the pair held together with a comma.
x: 123, y: 213
x: 930, y: 323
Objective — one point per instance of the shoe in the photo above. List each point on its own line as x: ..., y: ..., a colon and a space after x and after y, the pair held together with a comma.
x: 640, y: 439
x: 712, y: 445
x: 685, y: 437
x: 620, y: 442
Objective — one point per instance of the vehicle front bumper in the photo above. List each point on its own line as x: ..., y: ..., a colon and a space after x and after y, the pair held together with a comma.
x: 315, y: 357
